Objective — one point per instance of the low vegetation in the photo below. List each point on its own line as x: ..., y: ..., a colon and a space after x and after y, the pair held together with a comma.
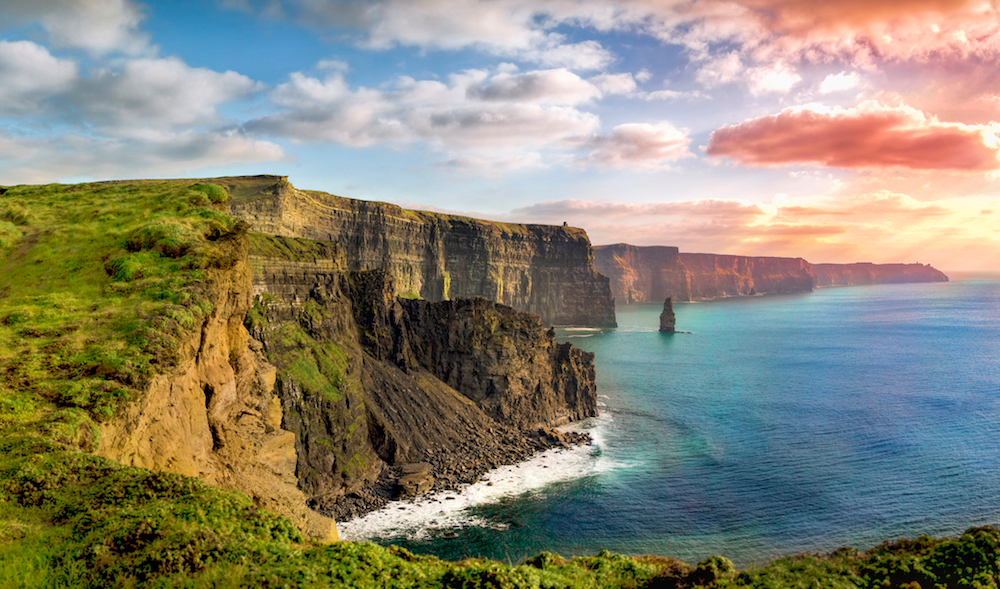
x: 99, y: 284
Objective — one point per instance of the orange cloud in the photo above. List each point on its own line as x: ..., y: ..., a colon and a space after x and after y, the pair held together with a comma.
x: 952, y: 233
x: 871, y: 135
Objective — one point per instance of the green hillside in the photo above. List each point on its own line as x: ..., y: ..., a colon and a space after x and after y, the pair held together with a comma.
x: 99, y: 285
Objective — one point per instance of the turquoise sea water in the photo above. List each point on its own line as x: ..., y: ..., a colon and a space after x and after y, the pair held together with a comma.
x: 777, y: 425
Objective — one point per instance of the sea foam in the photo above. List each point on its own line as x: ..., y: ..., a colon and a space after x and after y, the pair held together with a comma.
x: 436, y: 512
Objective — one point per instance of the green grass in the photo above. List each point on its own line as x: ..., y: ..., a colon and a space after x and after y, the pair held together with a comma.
x: 99, y: 283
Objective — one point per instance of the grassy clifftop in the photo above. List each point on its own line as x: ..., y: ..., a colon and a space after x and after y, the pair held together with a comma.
x: 100, y: 286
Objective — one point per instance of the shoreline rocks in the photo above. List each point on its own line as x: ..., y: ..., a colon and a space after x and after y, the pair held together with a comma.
x: 450, y: 471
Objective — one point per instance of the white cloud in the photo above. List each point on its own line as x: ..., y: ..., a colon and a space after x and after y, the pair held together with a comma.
x: 478, y: 120
x: 586, y: 55
x: 557, y: 86
x: 529, y: 110
x: 30, y: 74
x: 640, y: 146
x: 30, y: 160
x: 778, y: 77
x: 158, y: 92
x: 722, y: 70
x: 510, y: 28
x: 614, y: 83
x: 98, y: 26
x: 839, y: 82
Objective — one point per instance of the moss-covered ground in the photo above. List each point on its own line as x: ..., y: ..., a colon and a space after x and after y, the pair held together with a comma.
x: 99, y: 283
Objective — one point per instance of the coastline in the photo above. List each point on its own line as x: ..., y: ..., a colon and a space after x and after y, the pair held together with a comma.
x: 454, y: 471
x: 445, y: 509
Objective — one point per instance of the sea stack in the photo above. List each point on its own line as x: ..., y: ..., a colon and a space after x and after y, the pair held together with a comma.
x: 667, y: 317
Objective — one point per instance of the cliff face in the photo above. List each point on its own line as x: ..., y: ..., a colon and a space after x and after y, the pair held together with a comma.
x: 646, y: 274
x: 650, y: 274
x: 369, y: 381
x: 857, y: 274
x: 215, y: 416
x: 542, y: 269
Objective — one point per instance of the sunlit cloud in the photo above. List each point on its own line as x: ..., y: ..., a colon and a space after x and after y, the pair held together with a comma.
x: 871, y: 135
x: 839, y: 82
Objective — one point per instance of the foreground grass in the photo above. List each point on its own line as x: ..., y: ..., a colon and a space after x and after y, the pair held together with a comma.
x: 98, y: 285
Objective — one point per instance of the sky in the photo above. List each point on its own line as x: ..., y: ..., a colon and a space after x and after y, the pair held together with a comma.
x: 856, y: 130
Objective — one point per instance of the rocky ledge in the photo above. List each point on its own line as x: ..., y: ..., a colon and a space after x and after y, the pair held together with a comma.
x: 370, y: 382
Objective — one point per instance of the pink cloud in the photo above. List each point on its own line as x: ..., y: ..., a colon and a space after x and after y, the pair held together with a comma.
x: 871, y: 135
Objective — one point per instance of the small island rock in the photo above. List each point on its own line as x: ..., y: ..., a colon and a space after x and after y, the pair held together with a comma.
x: 667, y: 317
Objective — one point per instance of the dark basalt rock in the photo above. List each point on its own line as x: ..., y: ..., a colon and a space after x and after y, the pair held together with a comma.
x: 667, y: 317
x: 370, y: 382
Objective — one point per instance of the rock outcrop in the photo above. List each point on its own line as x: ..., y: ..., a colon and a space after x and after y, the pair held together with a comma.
x: 370, y: 382
x: 649, y: 274
x: 215, y: 415
x: 542, y: 269
x: 667, y: 319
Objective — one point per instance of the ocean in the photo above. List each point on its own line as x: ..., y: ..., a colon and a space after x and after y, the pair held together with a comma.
x: 773, y: 425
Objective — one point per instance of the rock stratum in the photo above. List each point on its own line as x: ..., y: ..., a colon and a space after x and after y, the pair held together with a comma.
x: 371, y: 382
x: 141, y: 323
x: 543, y: 269
x: 173, y: 389
x: 651, y: 274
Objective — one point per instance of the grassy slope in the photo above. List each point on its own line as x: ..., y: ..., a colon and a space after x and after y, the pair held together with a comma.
x: 97, y: 284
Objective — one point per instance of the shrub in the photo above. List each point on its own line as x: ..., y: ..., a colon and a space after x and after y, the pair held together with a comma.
x: 123, y: 268
x: 214, y: 192
x: 168, y: 238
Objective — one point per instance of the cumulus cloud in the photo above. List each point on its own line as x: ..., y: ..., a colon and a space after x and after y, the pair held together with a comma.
x: 778, y: 77
x: 29, y: 160
x: 721, y: 70
x: 557, y: 86
x: 143, y: 116
x: 505, y: 118
x: 30, y: 74
x: 98, y: 26
x: 871, y: 135
x: 510, y: 28
x: 757, y: 42
x: 474, y: 109
x: 839, y: 82
x: 639, y: 146
x: 158, y: 92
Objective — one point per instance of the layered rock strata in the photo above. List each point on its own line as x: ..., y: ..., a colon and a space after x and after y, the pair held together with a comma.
x: 215, y: 415
x: 370, y: 382
x: 649, y: 274
x: 542, y: 269
x: 864, y: 273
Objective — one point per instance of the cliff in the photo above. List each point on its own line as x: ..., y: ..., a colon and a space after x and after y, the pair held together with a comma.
x: 370, y: 382
x: 863, y: 273
x: 126, y: 311
x: 214, y: 414
x: 542, y: 269
x: 650, y: 274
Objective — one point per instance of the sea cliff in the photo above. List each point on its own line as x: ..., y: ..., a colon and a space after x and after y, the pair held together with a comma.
x: 142, y: 324
x: 371, y: 382
x: 651, y: 274
x: 543, y: 269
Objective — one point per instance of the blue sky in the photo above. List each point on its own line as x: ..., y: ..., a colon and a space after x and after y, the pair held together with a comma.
x: 853, y: 131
